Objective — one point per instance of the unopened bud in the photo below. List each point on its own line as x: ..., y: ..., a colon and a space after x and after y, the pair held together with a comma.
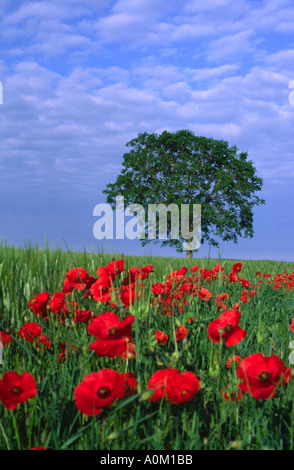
x: 146, y: 395
x: 113, y: 435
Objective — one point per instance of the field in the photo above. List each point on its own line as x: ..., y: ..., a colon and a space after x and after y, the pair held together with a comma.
x: 145, y: 354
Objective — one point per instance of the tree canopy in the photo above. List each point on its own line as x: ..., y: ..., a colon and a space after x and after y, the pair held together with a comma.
x: 182, y: 168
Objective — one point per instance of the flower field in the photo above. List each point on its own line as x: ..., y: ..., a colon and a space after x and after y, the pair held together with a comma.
x: 105, y: 352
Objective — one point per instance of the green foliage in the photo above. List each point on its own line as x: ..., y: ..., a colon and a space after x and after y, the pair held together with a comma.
x: 51, y: 418
x: 181, y: 168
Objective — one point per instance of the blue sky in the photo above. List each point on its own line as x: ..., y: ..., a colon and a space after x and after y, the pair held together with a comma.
x: 82, y: 78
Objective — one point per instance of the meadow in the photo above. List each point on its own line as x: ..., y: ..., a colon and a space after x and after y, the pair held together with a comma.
x: 116, y: 352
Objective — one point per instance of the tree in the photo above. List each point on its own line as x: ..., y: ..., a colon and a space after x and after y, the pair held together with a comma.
x: 181, y: 168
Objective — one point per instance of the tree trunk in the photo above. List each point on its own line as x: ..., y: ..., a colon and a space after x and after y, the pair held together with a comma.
x: 189, y: 254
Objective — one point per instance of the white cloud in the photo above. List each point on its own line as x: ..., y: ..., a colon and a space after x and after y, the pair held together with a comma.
x: 89, y: 79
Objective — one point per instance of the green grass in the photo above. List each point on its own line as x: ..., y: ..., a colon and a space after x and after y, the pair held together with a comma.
x: 51, y: 419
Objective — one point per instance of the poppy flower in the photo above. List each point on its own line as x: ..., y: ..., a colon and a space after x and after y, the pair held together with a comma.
x: 157, y: 382
x: 127, y: 295
x: 77, y: 278
x: 58, y: 303
x: 111, y: 333
x: 204, y: 294
x: 182, y: 387
x: 219, y: 301
x: 38, y: 304
x: 112, y: 270
x: 131, y: 383
x: 291, y: 326
x: 16, y: 389
x: 158, y: 289
x: 194, y: 269
x: 132, y: 275
x: 161, y: 338
x: 228, y: 324
x: 233, y: 277
x: 145, y: 271
x: 176, y: 387
x: 5, y: 338
x: 99, y: 390
x: 30, y: 331
x: 237, y: 268
x: 101, y: 290
x: 181, y: 333
x: 42, y: 340
x: 233, y: 359
x: 38, y: 448
x: 82, y: 316
x: 261, y: 375
x: 244, y: 297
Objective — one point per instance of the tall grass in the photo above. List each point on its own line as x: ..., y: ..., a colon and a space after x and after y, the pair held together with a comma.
x: 51, y: 419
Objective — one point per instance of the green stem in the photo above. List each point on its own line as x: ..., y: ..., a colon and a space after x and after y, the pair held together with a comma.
x: 16, y: 430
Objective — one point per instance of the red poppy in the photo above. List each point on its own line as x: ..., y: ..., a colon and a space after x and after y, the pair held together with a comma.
x: 5, y: 338
x: 160, y: 337
x: 237, y: 268
x: 132, y: 275
x: 176, y: 387
x: 100, y: 289
x: 112, y: 270
x: 182, y: 387
x: 233, y: 359
x: 291, y: 326
x: 158, y: 288
x: 228, y: 323
x: 157, y: 382
x: 82, y: 316
x: 261, y: 375
x: 42, y: 340
x: 16, y: 389
x: 38, y: 303
x: 204, y: 294
x: 194, y: 269
x: 131, y: 383
x: 128, y: 294
x: 244, y: 297
x: 111, y: 333
x: 30, y: 331
x: 77, y: 278
x: 145, y: 271
x: 38, y: 448
x: 58, y: 303
x: 219, y: 300
x: 176, y: 275
x: 233, y: 277
x: 99, y: 390
x: 181, y: 333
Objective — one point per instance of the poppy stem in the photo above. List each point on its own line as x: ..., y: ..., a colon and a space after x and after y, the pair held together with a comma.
x: 16, y: 430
